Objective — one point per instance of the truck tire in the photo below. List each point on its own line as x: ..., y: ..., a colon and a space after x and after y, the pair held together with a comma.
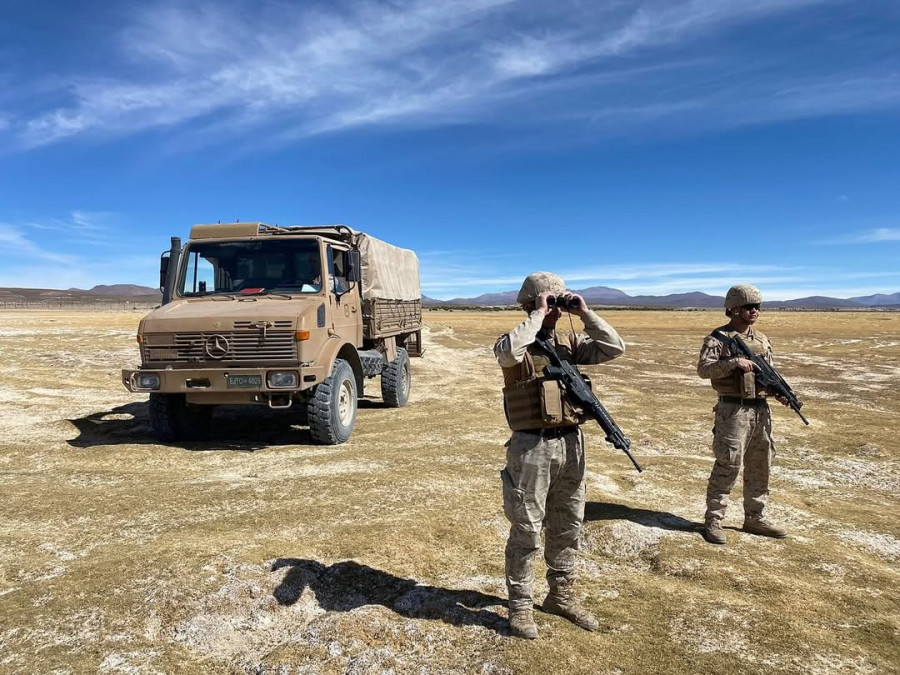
x: 395, y: 380
x: 332, y: 408
x: 172, y: 418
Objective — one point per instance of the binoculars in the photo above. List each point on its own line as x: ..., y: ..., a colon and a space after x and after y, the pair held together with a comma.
x: 562, y: 302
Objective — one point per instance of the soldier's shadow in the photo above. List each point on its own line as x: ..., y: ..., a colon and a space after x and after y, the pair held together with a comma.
x: 347, y: 585
x: 646, y: 517
x: 238, y: 428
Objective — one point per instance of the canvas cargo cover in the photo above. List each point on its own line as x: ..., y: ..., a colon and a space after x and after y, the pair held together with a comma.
x: 388, y: 272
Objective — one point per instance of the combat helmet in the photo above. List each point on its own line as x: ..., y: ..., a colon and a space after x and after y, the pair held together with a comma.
x: 539, y: 282
x: 742, y: 294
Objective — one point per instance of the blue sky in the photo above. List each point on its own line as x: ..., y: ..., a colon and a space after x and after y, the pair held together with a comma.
x: 652, y: 146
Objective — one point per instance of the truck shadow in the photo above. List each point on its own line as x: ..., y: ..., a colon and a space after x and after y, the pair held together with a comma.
x: 367, y: 402
x: 236, y: 428
x: 347, y: 585
x: 375, y: 401
x: 657, y: 519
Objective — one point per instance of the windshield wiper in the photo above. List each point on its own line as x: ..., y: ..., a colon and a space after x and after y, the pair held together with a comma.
x: 210, y: 294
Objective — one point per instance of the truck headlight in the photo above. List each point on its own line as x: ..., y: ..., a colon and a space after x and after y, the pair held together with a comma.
x: 147, y: 381
x: 277, y: 379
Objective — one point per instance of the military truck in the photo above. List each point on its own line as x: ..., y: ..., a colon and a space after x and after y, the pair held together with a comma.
x: 294, y: 318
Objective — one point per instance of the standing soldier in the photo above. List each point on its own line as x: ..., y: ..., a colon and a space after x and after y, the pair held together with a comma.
x: 543, y: 482
x: 743, y: 427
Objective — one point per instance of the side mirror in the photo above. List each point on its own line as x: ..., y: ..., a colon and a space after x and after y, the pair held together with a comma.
x: 354, y: 266
x: 163, y: 269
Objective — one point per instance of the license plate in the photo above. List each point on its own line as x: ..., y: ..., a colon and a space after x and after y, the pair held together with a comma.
x: 244, y: 381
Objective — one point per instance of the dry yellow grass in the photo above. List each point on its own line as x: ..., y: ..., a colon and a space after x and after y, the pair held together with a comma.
x: 258, y: 552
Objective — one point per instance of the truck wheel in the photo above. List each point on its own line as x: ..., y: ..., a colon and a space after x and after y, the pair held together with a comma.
x: 172, y: 418
x: 332, y: 408
x: 395, y: 380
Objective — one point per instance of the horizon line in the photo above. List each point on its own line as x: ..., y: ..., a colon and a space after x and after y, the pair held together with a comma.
x: 152, y: 290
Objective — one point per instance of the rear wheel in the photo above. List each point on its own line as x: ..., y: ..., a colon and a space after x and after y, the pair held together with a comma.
x: 172, y: 418
x: 396, y: 380
x: 332, y: 408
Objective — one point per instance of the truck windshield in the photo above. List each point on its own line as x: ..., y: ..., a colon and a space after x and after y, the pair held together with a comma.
x: 282, y: 265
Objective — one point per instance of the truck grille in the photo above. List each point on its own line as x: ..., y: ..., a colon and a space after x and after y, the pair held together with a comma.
x: 244, y: 344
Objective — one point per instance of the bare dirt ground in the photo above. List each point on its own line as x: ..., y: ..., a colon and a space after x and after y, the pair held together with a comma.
x: 258, y: 552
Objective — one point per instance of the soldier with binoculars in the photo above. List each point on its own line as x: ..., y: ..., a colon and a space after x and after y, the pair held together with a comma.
x: 543, y: 482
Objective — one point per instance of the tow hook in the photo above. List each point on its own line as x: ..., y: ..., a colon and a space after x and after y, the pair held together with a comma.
x: 279, y: 401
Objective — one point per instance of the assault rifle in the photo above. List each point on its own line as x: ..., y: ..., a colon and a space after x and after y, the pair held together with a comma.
x: 579, y: 394
x: 766, y: 375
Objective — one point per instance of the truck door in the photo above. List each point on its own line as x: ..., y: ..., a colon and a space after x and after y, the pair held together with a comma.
x: 345, y: 308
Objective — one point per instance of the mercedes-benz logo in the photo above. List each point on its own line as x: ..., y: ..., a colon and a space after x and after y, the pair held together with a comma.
x: 216, y: 346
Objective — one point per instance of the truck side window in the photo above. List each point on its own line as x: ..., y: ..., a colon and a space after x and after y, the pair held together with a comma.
x: 337, y: 271
x: 200, y: 270
x: 307, y: 275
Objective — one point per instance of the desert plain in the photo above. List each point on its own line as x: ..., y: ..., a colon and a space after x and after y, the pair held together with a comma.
x: 258, y: 552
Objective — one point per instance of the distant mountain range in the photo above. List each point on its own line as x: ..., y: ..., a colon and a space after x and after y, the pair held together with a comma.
x: 603, y: 295
x: 117, y: 292
x: 126, y: 290
x: 594, y: 295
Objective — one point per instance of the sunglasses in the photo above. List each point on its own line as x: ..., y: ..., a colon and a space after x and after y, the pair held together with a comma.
x: 751, y: 307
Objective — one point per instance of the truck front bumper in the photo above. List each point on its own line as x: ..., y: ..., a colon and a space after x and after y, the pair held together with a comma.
x: 235, y: 383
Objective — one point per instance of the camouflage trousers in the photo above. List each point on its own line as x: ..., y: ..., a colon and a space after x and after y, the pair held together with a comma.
x: 543, y: 485
x: 743, y: 434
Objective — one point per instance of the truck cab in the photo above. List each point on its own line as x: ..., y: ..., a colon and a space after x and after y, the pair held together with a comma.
x: 286, y: 317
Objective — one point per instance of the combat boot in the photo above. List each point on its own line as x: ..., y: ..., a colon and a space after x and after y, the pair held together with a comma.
x: 763, y: 529
x: 521, y: 623
x: 561, y: 602
x: 713, y: 532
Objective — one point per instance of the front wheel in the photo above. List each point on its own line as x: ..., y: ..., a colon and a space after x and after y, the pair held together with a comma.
x: 395, y: 380
x: 332, y: 408
x: 172, y: 418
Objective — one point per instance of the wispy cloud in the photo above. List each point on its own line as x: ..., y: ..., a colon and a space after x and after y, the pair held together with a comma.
x: 451, y: 273
x: 463, y: 278
x: 878, y: 235
x: 669, y: 270
x: 84, y: 227
x: 325, y: 68
x: 138, y: 271
x: 15, y: 245
x: 39, y: 255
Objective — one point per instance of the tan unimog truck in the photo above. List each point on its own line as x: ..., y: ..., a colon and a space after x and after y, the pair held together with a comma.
x: 286, y: 317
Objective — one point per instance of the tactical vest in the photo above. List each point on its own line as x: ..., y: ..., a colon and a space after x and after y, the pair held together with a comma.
x: 531, y: 401
x: 739, y: 383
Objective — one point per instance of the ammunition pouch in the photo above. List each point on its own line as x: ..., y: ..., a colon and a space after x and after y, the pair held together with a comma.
x: 739, y: 385
x: 538, y: 403
x: 748, y: 385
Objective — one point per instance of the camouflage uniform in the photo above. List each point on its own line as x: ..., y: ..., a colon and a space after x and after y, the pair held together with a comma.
x: 543, y: 482
x: 743, y: 427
